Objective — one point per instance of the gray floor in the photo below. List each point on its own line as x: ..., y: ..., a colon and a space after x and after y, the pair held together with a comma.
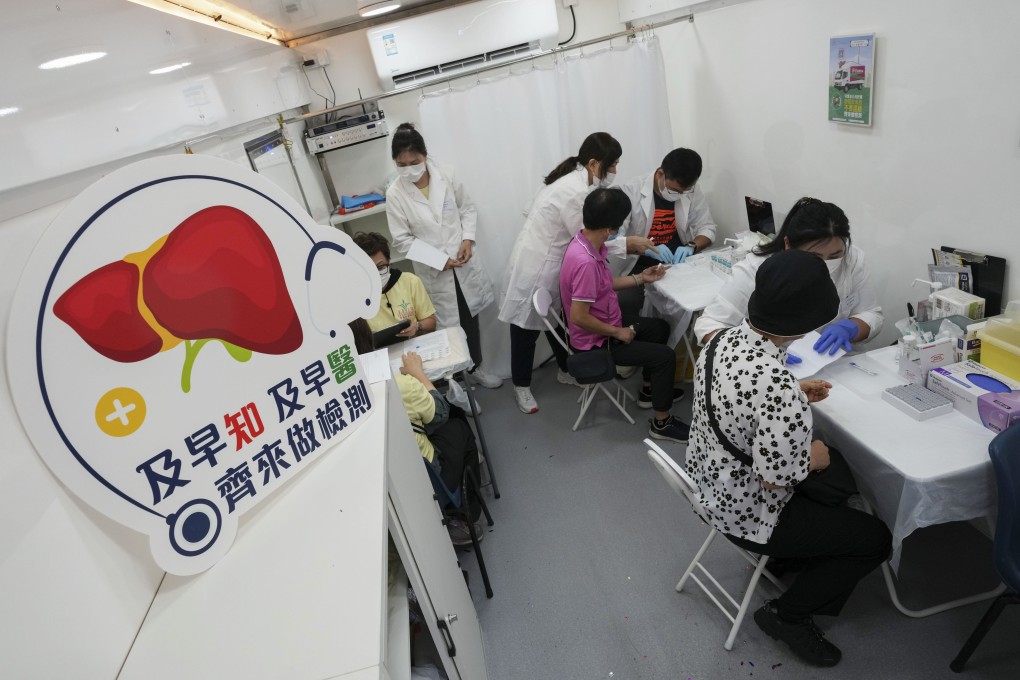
x: 589, y: 543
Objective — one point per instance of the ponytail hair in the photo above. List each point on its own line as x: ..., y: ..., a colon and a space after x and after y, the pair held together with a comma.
x: 809, y: 220
x: 406, y: 138
x: 598, y: 146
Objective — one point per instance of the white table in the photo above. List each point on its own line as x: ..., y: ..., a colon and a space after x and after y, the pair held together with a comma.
x: 684, y: 290
x: 914, y: 474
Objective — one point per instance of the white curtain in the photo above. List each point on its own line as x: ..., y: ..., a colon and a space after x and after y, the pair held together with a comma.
x: 503, y: 135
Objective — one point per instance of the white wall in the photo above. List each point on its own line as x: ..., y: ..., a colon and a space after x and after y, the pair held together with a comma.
x: 747, y: 87
x: 939, y: 166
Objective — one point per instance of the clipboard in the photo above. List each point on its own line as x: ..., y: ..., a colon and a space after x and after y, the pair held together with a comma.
x: 989, y: 276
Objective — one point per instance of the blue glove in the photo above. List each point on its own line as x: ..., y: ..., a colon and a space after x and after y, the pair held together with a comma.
x: 660, y: 253
x: 836, y: 335
x: 681, y: 254
x: 792, y: 359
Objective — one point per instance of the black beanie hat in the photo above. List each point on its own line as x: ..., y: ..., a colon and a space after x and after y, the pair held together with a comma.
x: 793, y: 294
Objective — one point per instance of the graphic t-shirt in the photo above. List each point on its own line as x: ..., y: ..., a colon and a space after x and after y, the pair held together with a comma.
x: 663, y: 229
x: 407, y: 299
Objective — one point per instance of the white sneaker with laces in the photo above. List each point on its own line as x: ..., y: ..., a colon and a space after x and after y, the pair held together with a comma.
x: 485, y: 380
x: 566, y: 379
x: 525, y: 400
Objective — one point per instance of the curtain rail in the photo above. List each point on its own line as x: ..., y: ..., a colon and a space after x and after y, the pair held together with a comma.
x: 634, y: 30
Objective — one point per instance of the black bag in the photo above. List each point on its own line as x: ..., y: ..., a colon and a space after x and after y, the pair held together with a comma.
x: 592, y: 366
x: 831, y: 486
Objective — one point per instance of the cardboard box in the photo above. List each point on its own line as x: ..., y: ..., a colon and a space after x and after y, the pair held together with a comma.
x: 999, y: 411
x: 969, y: 346
x: 949, y: 301
x: 930, y: 355
x: 965, y: 382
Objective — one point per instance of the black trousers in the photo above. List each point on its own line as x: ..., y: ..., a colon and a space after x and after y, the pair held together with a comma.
x: 457, y: 449
x: 649, y: 351
x: 469, y: 324
x: 840, y: 546
x: 522, y: 353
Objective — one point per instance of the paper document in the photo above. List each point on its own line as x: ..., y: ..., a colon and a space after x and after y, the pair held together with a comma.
x: 427, y: 255
x: 376, y: 365
x: 812, y: 360
x: 429, y: 347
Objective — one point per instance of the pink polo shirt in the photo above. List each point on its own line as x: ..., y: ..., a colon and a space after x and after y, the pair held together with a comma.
x: 585, y: 276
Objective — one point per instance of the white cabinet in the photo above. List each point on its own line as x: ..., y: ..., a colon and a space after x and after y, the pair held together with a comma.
x: 302, y: 592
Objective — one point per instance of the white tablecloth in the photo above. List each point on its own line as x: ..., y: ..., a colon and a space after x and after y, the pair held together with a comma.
x: 915, y: 474
x: 685, y: 289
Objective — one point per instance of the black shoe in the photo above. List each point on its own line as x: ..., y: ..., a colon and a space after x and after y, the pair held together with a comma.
x: 674, y: 430
x: 644, y: 396
x: 804, y: 638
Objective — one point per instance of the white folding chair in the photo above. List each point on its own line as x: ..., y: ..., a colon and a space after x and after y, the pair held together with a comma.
x: 682, y: 483
x: 543, y: 301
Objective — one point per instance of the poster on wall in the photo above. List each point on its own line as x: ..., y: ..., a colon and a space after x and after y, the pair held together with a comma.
x: 851, y: 79
x: 178, y: 349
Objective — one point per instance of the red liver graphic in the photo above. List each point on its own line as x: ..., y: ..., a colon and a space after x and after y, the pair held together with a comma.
x: 218, y: 276
x: 103, y: 309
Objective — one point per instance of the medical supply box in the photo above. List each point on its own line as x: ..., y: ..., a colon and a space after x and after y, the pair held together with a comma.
x: 966, y: 382
x: 1000, y: 345
x: 930, y: 355
x: 949, y: 301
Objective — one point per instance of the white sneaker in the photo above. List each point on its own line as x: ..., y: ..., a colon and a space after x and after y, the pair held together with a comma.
x: 525, y: 400
x: 566, y: 379
x: 485, y: 380
x: 458, y: 397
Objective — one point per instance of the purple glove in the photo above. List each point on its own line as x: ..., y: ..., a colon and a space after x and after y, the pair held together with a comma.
x: 836, y: 335
x: 792, y: 359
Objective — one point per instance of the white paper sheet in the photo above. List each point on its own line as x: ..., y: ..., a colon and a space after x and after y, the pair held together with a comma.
x: 812, y: 360
x: 376, y: 365
x: 429, y: 256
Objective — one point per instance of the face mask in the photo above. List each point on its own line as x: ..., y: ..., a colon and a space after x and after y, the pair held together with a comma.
x: 670, y: 195
x: 608, y: 180
x: 834, y: 265
x: 612, y: 237
x: 412, y: 173
x: 384, y: 275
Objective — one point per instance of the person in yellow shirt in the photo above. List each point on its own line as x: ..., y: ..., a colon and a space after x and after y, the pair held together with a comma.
x: 444, y: 437
x: 403, y: 293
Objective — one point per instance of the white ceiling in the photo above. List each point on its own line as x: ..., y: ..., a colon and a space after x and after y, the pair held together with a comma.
x: 137, y: 40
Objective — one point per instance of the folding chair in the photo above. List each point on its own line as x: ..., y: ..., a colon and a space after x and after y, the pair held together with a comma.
x: 542, y: 302
x: 682, y: 483
x: 455, y: 502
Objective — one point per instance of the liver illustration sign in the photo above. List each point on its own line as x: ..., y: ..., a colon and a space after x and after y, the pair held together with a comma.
x: 178, y: 349
x: 216, y: 276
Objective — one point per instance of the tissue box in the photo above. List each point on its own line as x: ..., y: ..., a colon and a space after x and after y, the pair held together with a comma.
x: 949, y: 301
x: 964, y: 384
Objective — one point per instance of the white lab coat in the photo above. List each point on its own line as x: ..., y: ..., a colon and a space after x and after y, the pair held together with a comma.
x: 693, y: 217
x: 552, y: 220
x: 852, y: 279
x: 443, y: 220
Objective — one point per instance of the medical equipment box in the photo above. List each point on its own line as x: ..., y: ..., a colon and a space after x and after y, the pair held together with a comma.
x: 999, y: 411
x: 949, y: 301
x: 964, y: 383
x: 930, y: 355
x: 1000, y: 346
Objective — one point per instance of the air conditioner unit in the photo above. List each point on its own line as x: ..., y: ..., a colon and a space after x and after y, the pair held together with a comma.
x: 460, y: 39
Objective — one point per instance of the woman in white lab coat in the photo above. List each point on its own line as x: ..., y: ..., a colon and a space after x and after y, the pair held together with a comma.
x: 553, y: 219
x: 821, y: 228
x: 428, y: 203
